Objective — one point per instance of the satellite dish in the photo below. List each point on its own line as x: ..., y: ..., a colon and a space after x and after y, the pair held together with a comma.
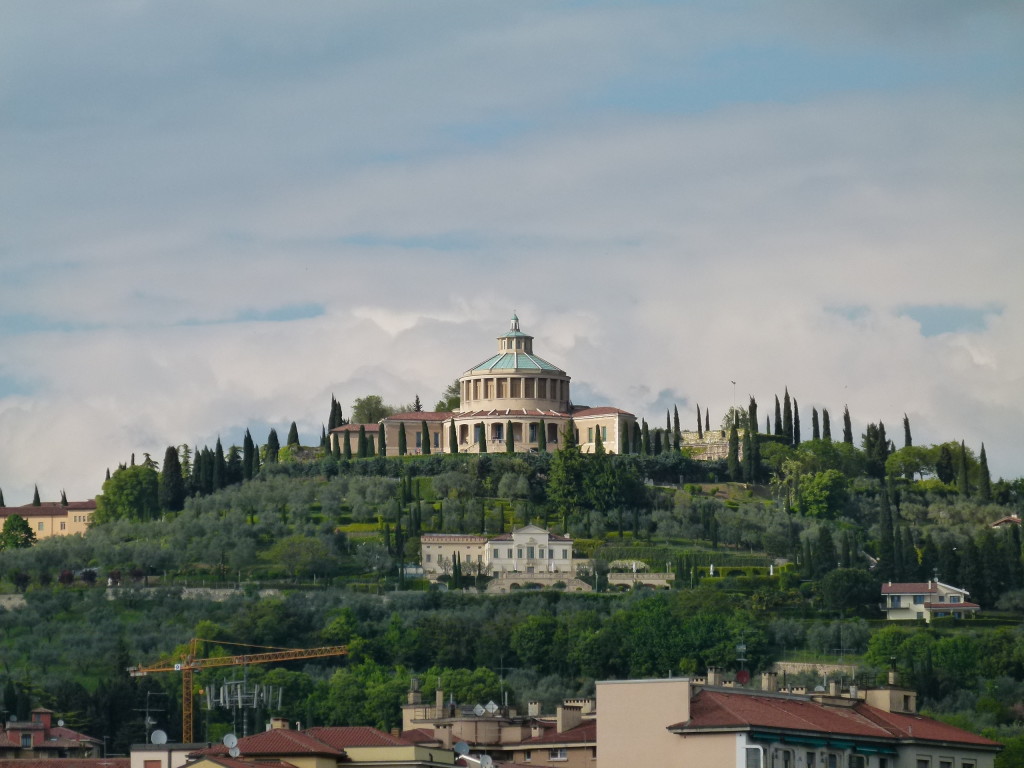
x: 486, y: 761
x: 234, y: 752
x: 13, y: 718
x: 158, y: 737
x: 461, y: 748
x: 230, y: 740
x: 60, y: 723
x: 819, y: 689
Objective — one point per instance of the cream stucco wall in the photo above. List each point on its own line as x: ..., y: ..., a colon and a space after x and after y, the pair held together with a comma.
x: 632, y: 719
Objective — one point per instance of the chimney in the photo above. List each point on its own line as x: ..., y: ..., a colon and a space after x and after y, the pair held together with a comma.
x: 439, y: 701
x: 833, y: 687
x: 567, y: 717
x: 715, y: 676
x: 893, y: 677
x: 279, y: 723
x: 769, y: 682
x: 414, y: 696
x: 533, y: 709
x: 396, y: 732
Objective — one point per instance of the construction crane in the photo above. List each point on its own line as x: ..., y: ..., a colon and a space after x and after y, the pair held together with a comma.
x: 190, y: 661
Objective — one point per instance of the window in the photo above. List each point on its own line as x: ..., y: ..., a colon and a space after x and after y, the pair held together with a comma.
x: 604, y: 434
x: 529, y: 553
x: 40, y: 526
x: 967, y: 764
x: 26, y: 740
x: 858, y: 761
x: 894, y: 601
x: 533, y: 433
x: 559, y: 753
x: 419, y: 439
x: 527, y: 756
x: 437, y: 439
x: 924, y: 762
x: 519, y: 552
x: 63, y: 525
x: 753, y: 758
x: 787, y: 758
x: 945, y: 762
x: 883, y: 762
x: 832, y: 761
x: 918, y: 599
x: 428, y: 558
x: 510, y: 553
x: 497, y: 554
x: 540, y: 553
x: 810, y: 759
x: 954, y: 598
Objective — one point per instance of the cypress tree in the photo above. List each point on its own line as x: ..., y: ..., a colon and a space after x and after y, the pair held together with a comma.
x: 402, y: 447
x: 907, y: 441
x: 332, y: 418
x: 293, y: 435
x: 382, y: 445
x: 944, y: 469
x: 323, y: 438
x: 796, y: 423
x: 886, y: 542
x: 542, y: 437
x: 787, y: 418
x: 826, y: 426
x: 847, y: 429
x: 336, y: 447
x: 963, y: 484
x: 362, y: 446
x: 3, y: 503
x: 453, y: 439
x: 778, y: 418
x: 483, y: 437
x: 233, y: 468
x: 510, y: 438
x: 36, y: 502
x: 64, y: 495
x: 707, y: 419
x: 346, y: 450
x: 370, y: 450
x: 645, y: 439
x: 984, y: 478
x: 426, y: 437
x: 745, y: 464
x: 273, y: 446
x: 700, y: 429
x: 656, y: 443
x: 668, y: 422
x: 219, y: 469
x: 417, y: 406
x: 171, y: 491
x: 677, y: 435
x: 255, y: 463
x: 815, y: 428
x: 637, y: 439
x: 733, y: 461
x: 753, y: 460
x: 767, y: 424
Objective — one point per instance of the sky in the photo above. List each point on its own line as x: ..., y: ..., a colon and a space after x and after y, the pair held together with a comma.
x: 215, y: 216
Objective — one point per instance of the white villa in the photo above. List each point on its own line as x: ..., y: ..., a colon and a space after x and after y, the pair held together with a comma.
x: 925, y: 600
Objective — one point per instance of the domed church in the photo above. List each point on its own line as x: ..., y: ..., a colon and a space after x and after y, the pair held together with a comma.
x: 513, y: 398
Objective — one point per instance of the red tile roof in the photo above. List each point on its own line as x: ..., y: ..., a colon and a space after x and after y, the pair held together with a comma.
x: 277, y: 741
x: 584, y: 732
x: 420, y: 416
x: 356, y: 736
x: 918, y: 588
x: 420, y: 735
x: 603, y: 410
x: 371, y: 429
x: 711, y: 709
x: 235, y: 762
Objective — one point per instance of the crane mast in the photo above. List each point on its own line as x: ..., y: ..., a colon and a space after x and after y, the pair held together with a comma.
x: 190, y: 661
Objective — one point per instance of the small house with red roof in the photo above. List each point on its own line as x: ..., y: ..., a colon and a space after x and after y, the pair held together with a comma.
x: 39, y: 738
x: 53, y: 518
x: 908, y: 601
x: 322, y: 747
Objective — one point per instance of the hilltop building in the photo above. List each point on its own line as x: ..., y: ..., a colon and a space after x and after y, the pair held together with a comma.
x: 52, y: 518
x: 512, y: 390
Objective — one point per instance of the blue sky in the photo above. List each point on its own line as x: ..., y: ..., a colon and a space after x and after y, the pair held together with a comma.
x: 217, y: 215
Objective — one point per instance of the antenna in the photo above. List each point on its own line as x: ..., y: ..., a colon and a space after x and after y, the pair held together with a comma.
x: 158, y: 737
